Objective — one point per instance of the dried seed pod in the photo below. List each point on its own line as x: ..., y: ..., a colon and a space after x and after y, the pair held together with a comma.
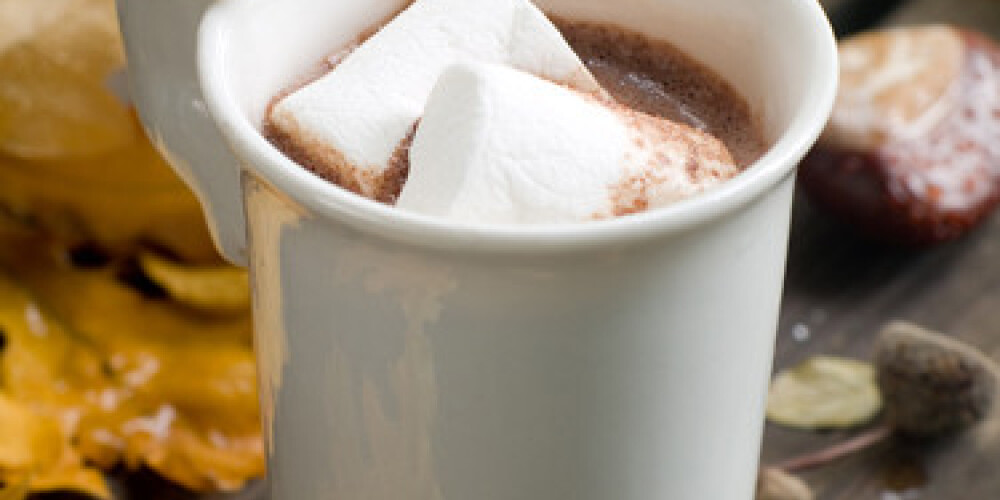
x: 775, y: 484
x: 932, y: 384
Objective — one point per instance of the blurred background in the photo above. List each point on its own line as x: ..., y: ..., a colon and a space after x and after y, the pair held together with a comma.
x: 126, y: 367
x: 843, y: 287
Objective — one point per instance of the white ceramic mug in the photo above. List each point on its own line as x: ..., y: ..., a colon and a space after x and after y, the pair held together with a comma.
x: 403, y: 357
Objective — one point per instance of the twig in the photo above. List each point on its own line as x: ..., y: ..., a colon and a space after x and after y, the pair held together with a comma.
x: 837, y: 450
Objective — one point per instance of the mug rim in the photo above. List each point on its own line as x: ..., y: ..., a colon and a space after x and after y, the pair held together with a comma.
x: 335, y: 203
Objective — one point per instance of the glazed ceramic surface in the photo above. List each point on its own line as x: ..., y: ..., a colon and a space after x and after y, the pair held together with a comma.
x: 404, y: 357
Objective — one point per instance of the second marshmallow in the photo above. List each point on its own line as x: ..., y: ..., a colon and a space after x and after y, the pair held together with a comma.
x: 500, y: 146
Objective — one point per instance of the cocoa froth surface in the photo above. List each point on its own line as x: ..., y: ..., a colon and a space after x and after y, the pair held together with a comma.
x: 655, y: 77
x: 707, y: 159
x: 646, y: 78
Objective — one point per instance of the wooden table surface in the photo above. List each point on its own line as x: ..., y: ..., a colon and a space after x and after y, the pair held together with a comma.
x: 840, y: 289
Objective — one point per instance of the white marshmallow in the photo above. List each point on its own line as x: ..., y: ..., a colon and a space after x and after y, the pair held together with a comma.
x: 353, y: 119
x: 499, y: 146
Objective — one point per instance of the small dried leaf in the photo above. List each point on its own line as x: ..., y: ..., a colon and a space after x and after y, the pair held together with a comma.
x: 218, y: 289
x: 775, y: 484
x: 825, y: 392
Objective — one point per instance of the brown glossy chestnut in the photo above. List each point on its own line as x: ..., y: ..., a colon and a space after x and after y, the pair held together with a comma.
x: 912, y: 151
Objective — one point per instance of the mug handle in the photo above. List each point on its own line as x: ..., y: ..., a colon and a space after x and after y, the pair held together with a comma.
x: 161, y: 43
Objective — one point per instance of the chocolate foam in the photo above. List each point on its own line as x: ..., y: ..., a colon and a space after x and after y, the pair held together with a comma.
x: 647, y: 78
x: 657, y: 78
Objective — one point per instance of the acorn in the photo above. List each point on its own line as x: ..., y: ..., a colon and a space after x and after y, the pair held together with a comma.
x: 932, y: 384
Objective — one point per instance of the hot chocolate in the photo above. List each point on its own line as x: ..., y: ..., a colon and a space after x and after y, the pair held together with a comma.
x: 704, y: 116
x: 656, y: 78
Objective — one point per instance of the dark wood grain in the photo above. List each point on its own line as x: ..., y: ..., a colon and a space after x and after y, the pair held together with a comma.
x: 840, y: 290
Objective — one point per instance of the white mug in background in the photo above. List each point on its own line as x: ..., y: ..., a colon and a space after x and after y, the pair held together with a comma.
x: 404, y: 357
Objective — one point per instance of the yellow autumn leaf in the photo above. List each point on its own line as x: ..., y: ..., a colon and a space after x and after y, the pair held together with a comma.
x: 27, y: 440
x: 146, y: 381
x: 46, y: 370
x: 118, y: 200
x: 14, y: 488
x: 94, y: 371
x: 213, y: 290
x: 825, y: 392
x: 198, y: 459
x: 54, y: 100
x: 74, y: 161
x: 70, y: 474
x: 35, y: 454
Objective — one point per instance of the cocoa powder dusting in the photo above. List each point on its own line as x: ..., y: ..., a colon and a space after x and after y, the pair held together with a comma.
x: 707, y: 158
x: 644, y: 77
x: 655, y: 77
x: 316, y: 157
x: 399, y: 168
